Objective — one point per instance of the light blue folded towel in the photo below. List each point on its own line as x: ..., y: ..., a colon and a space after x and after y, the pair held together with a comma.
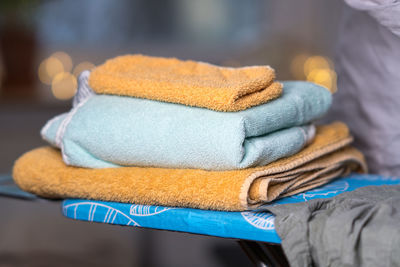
x: 104, y: 131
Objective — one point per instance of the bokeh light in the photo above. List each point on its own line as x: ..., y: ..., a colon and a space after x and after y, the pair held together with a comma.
x: 297, y: 66
x: 64, y: 58
x: 85, y: 65
x: 324, y: 77
x: 316, y: 62
x: 64, y: 86
x: 317, y: 69
x: 49, y: 68
x: 56, y: 63
x: 56, y: 71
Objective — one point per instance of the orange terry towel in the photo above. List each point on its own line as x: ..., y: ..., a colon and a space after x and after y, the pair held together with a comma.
x: 43, y: 172
x: 186, y: 82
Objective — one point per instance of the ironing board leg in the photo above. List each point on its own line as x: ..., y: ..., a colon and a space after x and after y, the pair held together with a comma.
x: 263, y: 254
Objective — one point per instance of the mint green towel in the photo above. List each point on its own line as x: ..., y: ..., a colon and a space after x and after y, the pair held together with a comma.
x: 110, y: 131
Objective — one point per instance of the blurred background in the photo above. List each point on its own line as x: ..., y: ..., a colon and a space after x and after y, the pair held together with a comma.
x: 44, y: 45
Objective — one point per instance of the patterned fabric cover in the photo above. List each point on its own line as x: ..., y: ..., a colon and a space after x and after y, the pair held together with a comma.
x: 251, y: 225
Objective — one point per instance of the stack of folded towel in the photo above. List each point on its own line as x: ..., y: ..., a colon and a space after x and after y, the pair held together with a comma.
x: 163, y: 131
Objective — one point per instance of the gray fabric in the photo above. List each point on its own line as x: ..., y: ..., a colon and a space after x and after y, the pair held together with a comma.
x: 358, y: 228
x: 386, y: 12
x: 368, y: 67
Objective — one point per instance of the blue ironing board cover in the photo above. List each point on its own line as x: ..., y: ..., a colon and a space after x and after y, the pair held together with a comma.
x: 249, y: 225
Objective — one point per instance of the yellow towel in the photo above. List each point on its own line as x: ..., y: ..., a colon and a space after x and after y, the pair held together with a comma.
x: 42, y: 172
x: 186, y: 82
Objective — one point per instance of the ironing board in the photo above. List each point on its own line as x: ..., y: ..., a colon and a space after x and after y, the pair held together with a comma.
x: 255, y: 225
x: 251, y: 228
x: 254, y: 230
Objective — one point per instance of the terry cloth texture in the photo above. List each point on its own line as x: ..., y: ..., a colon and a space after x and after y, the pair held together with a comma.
x: 186, y: 82
x: 43, y: 172
x: 104, y: 131
x: 358, y: 228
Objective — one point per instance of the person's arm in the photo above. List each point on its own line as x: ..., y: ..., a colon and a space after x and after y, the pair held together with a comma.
x: 386, y: 12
